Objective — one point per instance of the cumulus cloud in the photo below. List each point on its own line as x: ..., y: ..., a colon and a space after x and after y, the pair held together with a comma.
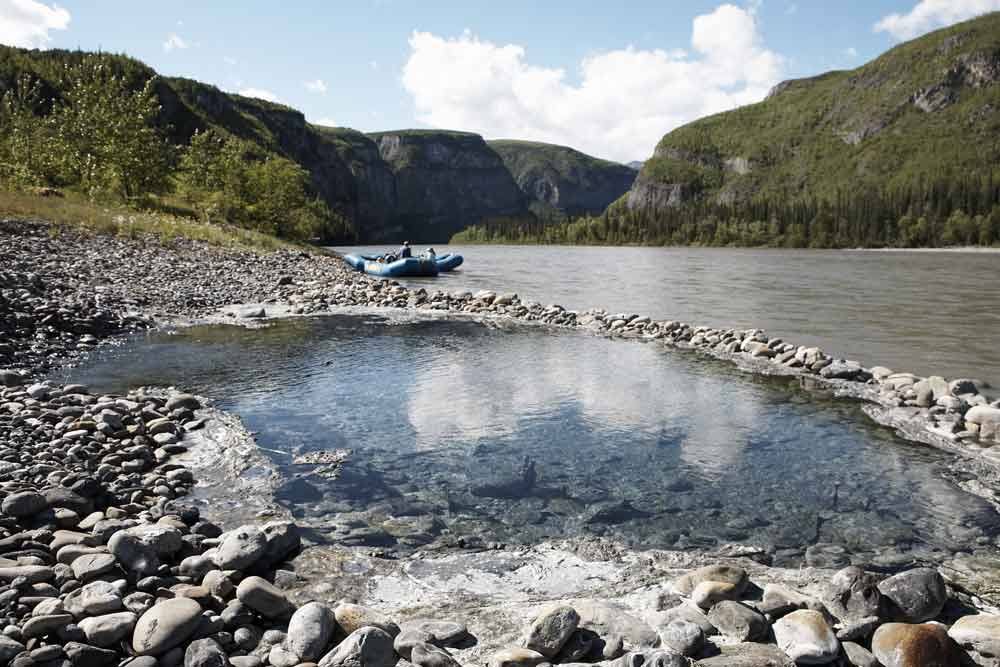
x: 174, y: 41
x: 315, y: 86
x: 27, y: 23
x: 624, y: 102
x: 928, y: 15
x: 260, y: 94
x: 851, y: 52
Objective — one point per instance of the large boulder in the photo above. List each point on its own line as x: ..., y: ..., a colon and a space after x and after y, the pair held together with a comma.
x: 550, y: 629
x: 915, y: 595
x: 852, y: 594
x: 166, y: 625
x: 806, y: 637
x: 923, y: 645
x: 367, y: 647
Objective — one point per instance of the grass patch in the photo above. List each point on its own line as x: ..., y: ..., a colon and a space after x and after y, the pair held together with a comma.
x: 74, y: 211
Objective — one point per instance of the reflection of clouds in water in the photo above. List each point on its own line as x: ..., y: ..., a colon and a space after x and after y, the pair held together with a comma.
x: 469, y: 395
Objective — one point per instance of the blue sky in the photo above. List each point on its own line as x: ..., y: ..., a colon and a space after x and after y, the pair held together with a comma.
x: 604, y: 79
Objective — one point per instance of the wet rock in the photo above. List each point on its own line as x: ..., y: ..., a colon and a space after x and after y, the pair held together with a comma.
x: 310, y: 630
x: 805, y: 636
x: 738, y: 621
x: 550, y: 630
x: 166, y: 625
x: 905, y: 645
x: 915, y: 595
x: 366, y: 647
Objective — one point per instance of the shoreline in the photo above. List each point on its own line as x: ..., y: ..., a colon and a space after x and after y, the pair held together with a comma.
x: 287, y: 284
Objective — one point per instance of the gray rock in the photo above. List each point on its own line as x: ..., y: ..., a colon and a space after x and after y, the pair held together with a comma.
x: 279, y: 656
x: 443, y: 633
x: 859, y: 656
x: 205, y: 653
x: 367, y: 647
x: 253, y: 313
x: 853, y: 593
x: 682, y: 637
x: 109, y: 629
x: 427, y: 655
x: 748, y: 655
x: 140, y: 548
x: 806, y: 637
x: 9, y: 648
x: 240, y: 548
x: 95, y: 598
x: 39, y: 626
x: 310, y: 630
x: 685, y: 584
x: 406, y: 639
x: 550, y: 629
x: 91, y: 566
x: 263, y: 597
x: 84, y: 655
x: 245, y: 661
x: 165, y: 626
x: 24, y: 504
x: 610, y: 620
x: 915, y: 595
x: 779, y: 600
x: 738, y: 621
x: 183, y: 402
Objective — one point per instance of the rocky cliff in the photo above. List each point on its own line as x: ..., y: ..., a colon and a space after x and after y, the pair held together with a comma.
x: 923, y: 109
x: 561, y: 179
x: 444, y: 182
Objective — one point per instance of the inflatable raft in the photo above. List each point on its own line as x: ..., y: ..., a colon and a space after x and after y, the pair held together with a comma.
x: 409, y: 267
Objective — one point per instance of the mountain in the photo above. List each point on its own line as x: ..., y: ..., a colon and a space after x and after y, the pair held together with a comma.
x: 927, y: 109
x: 423, y: 185
x: 635, y: 164
x: 563, y: 181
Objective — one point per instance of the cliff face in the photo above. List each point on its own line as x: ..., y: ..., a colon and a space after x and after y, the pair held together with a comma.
x: 562, y: 179
x: 444, y: 182
x: 925, y: 108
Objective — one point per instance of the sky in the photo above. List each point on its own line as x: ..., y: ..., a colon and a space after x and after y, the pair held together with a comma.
x: 607, y: 78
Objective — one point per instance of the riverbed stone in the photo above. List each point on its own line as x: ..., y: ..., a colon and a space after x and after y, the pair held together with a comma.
x: 779, y: 600
x: 859, y: 656
x: 683, y: 637
x: 921, y: 645
x: 109, y: 629
x: 91, y: 566
x: 915, y: 595
x: 980, y: 632
x: 611, y: 620
x: 240, y: 548
x: 443, y: 632
x: 263, y: 597
x: 516, y: 657
x: 24, y: 504
x: 550, y: 629
x: 166, y: 625
x: 351, y: 617
x: 747, y: 655
x: 428, y: 655
x: 85, y: 655
x: 983, y: 414
x: 707, y: 593
x: 310, y: 630
x: 738, y: 621
x: 685, y: 584
x: 853, y: 593
x: 205, y: 653
x: 96, y: 598
x: 806, y: 637
x: 365, y: 647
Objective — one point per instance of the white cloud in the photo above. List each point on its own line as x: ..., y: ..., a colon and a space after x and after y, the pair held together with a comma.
x: 27, y: 23
x: 174, y: 41
x: 928, y: 15
x: 261, y: 94
x: 316, y: 86
x: 327, y: 121
x: 626, y: 99
x: 851, y: 52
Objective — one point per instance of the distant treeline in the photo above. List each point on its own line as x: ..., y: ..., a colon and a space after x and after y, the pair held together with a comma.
x: 90, y: 123
x: 942, y: 212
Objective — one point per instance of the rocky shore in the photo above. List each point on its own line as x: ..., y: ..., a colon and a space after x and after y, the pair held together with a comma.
x: 104, y: 561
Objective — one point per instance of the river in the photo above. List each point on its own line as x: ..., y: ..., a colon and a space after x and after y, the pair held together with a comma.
x: 919, y: 311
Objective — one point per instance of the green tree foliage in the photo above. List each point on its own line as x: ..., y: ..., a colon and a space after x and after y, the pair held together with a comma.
x: 949, y: 211
x: 226, y: 178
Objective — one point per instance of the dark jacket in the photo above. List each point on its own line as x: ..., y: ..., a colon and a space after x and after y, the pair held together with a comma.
x: 404, y: 251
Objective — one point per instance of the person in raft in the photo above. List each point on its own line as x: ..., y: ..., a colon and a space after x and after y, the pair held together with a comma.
x: 430, y: 254
x: 404, y: 250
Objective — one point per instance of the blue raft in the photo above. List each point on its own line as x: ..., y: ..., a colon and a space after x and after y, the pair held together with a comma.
x: 409, y: 267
